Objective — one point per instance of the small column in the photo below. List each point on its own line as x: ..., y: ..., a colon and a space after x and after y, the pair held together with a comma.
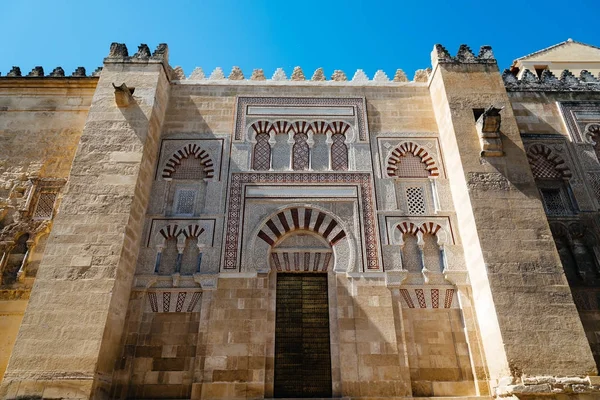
x: 159, y: 250
x: 201, y: 247
x: 21, y: 272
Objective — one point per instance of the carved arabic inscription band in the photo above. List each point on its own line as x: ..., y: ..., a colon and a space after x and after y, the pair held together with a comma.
x: 236, y: 202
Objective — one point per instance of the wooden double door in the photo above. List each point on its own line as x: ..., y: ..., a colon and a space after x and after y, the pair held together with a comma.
x: 302, y: 343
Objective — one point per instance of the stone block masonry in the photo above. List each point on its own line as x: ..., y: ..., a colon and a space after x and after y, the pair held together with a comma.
x: 240, y: 237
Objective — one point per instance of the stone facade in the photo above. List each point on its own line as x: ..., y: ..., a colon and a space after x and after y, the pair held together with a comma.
x: 159, y: 235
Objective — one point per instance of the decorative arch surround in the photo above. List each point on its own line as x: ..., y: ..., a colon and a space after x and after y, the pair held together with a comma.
x: 286, y: 127
x: 407, y: 149
x: 428, y: 227
x: 302, y: 239
x: 170, y: 231
x: 192, y: 231
x: 319, y: 127
x: 184, y: 153
x: 298, y: 218
x: 408, y: 227
x: 249, y: 254
x: 174, y: 232
x: 545, y: 164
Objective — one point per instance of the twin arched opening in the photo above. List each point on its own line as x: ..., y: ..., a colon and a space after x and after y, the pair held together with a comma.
x: 422, y: 247
x: 179, y: 250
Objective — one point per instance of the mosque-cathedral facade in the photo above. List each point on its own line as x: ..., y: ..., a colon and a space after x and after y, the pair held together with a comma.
x: 240, y: 237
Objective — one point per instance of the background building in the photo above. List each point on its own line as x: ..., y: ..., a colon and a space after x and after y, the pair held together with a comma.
x: 233, y: 237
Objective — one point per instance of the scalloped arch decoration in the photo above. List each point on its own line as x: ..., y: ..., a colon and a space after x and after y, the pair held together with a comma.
x: 284, y: 127
x: 408, y: 227
x: 192, y: 231
x: 430, y: 227
x: 416, y: 150
x: 170, y: 231
x: 185, y: 152
x: 298, y: 218
x: 538, y: 153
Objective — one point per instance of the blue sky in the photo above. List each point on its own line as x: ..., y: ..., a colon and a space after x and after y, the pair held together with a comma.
x: 344, y: 35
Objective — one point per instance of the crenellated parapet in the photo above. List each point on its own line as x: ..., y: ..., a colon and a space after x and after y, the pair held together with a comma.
x: 548, y: 82
x: 464, y: 55
x: 58, y: 72
x: 119, y: 53
x: 297, y: 76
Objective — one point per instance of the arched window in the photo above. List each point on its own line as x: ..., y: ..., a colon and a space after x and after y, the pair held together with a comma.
x: 300, y: 152
x: 261, y: 159
x: 409, y: 160
x: 189, y: 162
x: 552, y: 175
x: 339, y: 153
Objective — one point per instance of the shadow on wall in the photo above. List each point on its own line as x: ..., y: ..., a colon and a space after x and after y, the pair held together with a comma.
x: 513, y: 176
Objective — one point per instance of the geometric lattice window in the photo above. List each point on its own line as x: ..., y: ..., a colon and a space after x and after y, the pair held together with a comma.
x: 45, y: 205
x: 544, y: 169
x: 411, y: 166
x: 555, y: 202
x: 415, y: 200
x: 300, y: 152
x: 185, y: 200
x: 594, y: 178
x: 262, y: 153
x: 189, y: 168
x: 339, y: 153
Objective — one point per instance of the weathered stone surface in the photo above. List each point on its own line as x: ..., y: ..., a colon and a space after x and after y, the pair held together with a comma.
x: 338, y: 76
x: 400, y: 76
x: 319, y: 75
x: 236, y: 74
x: 297, y: 74
x: 197, y: 74
x: 258, y: 75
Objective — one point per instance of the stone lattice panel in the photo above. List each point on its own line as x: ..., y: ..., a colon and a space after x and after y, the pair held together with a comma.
x: 594, y: 178
x: 339, y: 153
x: 261, y: 158
x: 45, y: 205
x: 415, y: 199
x: 300, y: 152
